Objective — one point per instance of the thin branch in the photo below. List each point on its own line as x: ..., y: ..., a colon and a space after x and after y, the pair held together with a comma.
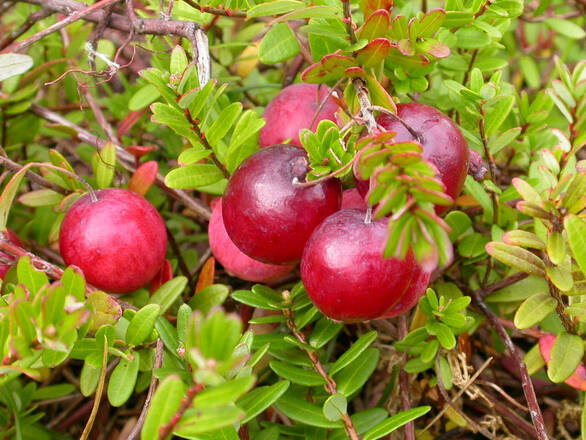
x: 77, y: 15
x: 365, y: 104
x: 330, y: 384
x: 125, y: 158
x: 501, y: 284
x: 31, y: 20
x: 348, y: 21
x: 135, y: 433
x: 34, y: 177
x: 527, y: 385
x: 216, y: 11
x: 99, y: 391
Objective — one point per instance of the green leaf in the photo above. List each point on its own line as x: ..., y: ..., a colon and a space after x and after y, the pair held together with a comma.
x: 223, y: 123
x: 143, y: 97
x: 122, y: 380
x: 274, y: 8
x: 193, y: 176
x: 243, y: 141
x: 53, y: 391
x: 395, y: 422
x: 12, y: 64
x: 142, y: 324
x: 260, y: 298
x: 516, y: 257
x: 198, y: 421
x: 259, y: 399
x: 89, y: 378
x: 534, y: 309
x: 518, y: 237
x: 40, y: 197
x: 105, y: 309
x: 527, y: 191
x: 566, y: 28
x: 223, y: 394
x: 279, y: 44
x: 209, y: 297
x: 297, y: 375
x: 30, y: 277
x: 355, y: 375
x: 353, y: 352
x: 519, y: 290
x: 496, y: 114
x: 304, y: 412
x: 504, y: 140
x: 335, y: 407
x: 8, y: 195
x: 324, y: 331
x: 566, y: 355
x: 179, y: 60
x: 168, y: 293
x: 576, y: 230
x: 427, y: 25
x: 104, y: 164
x: 443, y: 333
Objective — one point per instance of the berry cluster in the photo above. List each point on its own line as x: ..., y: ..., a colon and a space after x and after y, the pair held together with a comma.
x: 273, y: 218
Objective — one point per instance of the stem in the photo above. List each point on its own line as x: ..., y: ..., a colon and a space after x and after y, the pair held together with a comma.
x: 502, y: 284
x: 330, y: 385
x: 77, y: 15
x: 348, y: 20
x: 527, y: 385
x: 206, y: 144
x: 166, y: 430
x: 365, y: 104
x: 99, y: 391
x: 216, y: 11
x: 35, y: 178
x: 410, y: 129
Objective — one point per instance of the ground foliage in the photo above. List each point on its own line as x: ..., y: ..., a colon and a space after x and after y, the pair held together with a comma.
x: 120, y: 94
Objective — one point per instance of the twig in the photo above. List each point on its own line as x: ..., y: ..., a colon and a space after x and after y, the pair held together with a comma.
x: 126, y: 160
x: 501, y: 284
x: 134, y: 434
x: 330, y: 384
x: 34, y: 177
x: 527, y: 385
x: 404, y: 381
x: 77, y: 15
x: 410, y: 129
x: 177, y: 252
x: 165, y: 430
x: 348, y: 20
x: 365, y: 105
x: 216, y: 11
x: 31, y: 20
x: 99, y: 391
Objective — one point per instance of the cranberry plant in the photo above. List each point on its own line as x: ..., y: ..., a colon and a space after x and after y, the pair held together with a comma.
x: 450, y: 304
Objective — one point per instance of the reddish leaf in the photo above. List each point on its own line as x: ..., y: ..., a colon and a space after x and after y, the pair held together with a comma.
x: 144, y: 177
x: 206, y: 275
x: 128, y: 122
x: 370, y: 6
x: 427, y: 25
x: 140, y: 150
x: 399, y: 28
x: 355, y: 72
x: 434, y: 48
x: 374, y: 53
x: 396, y: 58
x: 406, y: 47
x: 329, y: 69
x: 165, y: 274
x: 576, y: 380
x: 376, y: 26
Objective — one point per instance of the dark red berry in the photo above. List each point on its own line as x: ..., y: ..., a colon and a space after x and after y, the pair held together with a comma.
x: 351, y: 198
x: 414, y: 292
x: 443, y: 144
x: 344, y: 271
x: 295, y: 108
x: 118, y: 241
x: 13, y: 238
x: 267, y: 215
x: 234, y: 261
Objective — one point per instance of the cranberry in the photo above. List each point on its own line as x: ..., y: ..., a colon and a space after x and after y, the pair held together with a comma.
x: 344, y: 271
x: 118, y: 241
x: 13, y: 238
x: 414, y: 292
x: 234, y: 261
x: 351, y: 198
x: 443, y: 144
x: 292, y: 109
x: 267, y: 215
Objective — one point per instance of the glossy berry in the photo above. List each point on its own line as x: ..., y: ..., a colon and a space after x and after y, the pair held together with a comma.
x: 291, y: 110
x: 412, y: 295
x: 443, y: 144
x: 344, y: 271
x: 234, y: 261
x: 13, y: 238
x: 268, y: 216
x: 118, y: 241
x: 351, y: 198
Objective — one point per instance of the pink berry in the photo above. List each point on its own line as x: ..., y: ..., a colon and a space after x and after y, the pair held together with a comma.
x: 13, y: 238
x: 351, y: 198
x: 344, y: 271
x: 118, y: 241
x: 234, y: 261
x: 266, y: 214
x: 292, y: 109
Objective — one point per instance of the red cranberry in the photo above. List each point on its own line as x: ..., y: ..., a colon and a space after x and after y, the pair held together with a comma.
x: 443, y: 143
x: 267, y: 215
x: 351, y: 198
x: 344, y: 271
x: 291, y: 110
x: 118, y: 241
x: 13, y: 238
x: 414, y: 292
x: 234, y: 261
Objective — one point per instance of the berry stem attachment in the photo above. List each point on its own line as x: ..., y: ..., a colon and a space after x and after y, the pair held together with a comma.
x: 418, y: 137
x: 339, y: 171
